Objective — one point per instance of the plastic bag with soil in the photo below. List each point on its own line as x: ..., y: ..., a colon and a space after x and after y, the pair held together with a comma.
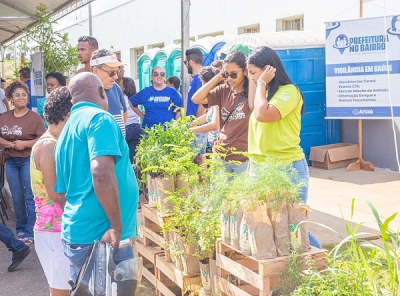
x: 164, y: 188
x: 235, y: 220
x: 244, y: 240
x: 225, y: 227
x: 151, y: 190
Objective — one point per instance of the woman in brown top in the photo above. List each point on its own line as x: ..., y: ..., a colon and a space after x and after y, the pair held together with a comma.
x: 20, y: 129
x: 234, y: 109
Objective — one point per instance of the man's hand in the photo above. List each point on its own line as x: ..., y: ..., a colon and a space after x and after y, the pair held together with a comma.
x: 19, y: 145
x: 112, y: 236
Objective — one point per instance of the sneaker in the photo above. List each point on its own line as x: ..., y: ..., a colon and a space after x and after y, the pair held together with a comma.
x: 18, y: 257
x: 20, y: 238
x: 28, y: 241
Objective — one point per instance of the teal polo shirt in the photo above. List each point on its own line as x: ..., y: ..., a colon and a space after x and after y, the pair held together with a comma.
x: 91, y: 132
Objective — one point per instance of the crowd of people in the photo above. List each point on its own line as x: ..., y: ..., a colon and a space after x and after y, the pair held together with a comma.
x: 73, y: 182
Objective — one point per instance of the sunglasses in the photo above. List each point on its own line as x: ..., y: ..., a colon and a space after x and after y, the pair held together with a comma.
x: 111, y: 73
x: 86, y: 38
x: 227, y: 74
x: 156, y: 74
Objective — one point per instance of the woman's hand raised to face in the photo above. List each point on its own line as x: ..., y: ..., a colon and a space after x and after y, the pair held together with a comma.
x: 268, y: 74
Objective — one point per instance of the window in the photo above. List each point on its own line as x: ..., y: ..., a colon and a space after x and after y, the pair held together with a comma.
x: 211, y: 34
x: 249, y: 29
x: 136, y: 54
x: 159, y: 45
x: 178, y: 41
x: 292, y: 23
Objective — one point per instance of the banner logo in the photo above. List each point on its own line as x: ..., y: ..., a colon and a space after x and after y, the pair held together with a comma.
x: 341, y: 43
x: 395, y: 27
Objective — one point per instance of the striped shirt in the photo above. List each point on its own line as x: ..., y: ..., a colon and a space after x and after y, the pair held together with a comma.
x: 117, y: 105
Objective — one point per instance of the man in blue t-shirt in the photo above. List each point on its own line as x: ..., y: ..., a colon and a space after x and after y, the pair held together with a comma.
x: 94, y: 177
x: 194, y: 62
x: 160, y: 101
x: 106, y: 67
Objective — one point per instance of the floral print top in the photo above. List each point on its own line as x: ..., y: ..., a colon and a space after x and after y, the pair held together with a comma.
x: 48, y: 213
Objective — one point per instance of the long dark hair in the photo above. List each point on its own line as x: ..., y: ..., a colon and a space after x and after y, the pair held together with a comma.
x: 239, y: 58
x: 263, y: 56
x: 129, y: 85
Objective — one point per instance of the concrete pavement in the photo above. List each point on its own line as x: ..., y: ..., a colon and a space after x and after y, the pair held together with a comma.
x: 330, y: 197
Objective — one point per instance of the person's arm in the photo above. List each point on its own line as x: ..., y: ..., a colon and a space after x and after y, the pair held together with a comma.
x: 125, y: 115
x: 6, y: 144
x: 199, y: 120
x: 211, y: 126
x: 62, y: 200
x: 5, y: 101
x: 177, y: 101
x: 200, y: 96
x: 178, y: 114
x: 263, y: 111
x: 106, y: 188
x: 45, y: 162
x: 22, y: 144
x: 138, y: 112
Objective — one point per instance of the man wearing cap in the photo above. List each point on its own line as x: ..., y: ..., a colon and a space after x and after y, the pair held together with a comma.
x: 106, y: 67
x: 94, y: 177
x: 86, y: 46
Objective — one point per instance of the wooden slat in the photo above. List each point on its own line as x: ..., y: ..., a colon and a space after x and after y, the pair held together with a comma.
x: 164, y: 289
x: 147, y: 252
x: 230, y: 289
x: 166, y: 268
x: 240, y: 271
x: 151, y: 214
x: 149, y: 276
x: 154, y: 237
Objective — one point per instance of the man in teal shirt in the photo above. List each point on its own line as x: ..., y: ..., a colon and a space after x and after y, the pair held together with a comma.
x: 94, y: 177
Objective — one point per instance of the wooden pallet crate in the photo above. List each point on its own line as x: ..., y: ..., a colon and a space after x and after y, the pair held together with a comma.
x: 149, y: 260
x: 256, y: 277
x: 151, y: 228
x: 169, y: 279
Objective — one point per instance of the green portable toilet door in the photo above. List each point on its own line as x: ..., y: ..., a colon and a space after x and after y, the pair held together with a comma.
x: 145, y: 73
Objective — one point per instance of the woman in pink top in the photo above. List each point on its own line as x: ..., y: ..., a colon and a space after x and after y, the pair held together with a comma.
x: 47, y: 229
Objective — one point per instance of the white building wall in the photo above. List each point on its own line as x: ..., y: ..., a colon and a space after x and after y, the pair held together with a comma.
x: 124, y: 25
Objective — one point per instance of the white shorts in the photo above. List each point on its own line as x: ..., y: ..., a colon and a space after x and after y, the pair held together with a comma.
x: 55, y: 264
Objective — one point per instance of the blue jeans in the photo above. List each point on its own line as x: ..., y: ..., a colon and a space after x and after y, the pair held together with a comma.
x: 234, y: 168
x: 133, y: 135
x: 8, y: 238
x: 18, y: 174
x: 76, y: 254
x: 301, y: 167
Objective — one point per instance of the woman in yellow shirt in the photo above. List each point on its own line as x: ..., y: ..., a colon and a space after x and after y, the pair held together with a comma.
x: 274, y: 126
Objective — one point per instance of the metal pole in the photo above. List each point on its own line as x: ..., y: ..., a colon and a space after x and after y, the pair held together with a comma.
x: 15, y: 56
x: 185, y: 9
x: 90, y: 19
x: 2, y: 56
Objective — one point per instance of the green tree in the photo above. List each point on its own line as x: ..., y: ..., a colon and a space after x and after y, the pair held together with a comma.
x: 58, y: 54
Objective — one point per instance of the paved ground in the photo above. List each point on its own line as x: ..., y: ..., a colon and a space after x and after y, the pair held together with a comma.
x: 330, y: 198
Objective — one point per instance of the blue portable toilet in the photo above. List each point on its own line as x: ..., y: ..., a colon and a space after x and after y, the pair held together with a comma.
x: 145, y: 65
x: 303, y: 57
x: 213, y: 54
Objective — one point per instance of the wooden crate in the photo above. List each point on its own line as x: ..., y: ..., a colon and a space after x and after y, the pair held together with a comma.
x: 151, y: 228
x: 149, y: 260
x: 255, y: 277
x: 169, y: 278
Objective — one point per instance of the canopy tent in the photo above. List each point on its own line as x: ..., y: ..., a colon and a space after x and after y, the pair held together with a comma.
x: 17, y: 15
x: 277, y: 40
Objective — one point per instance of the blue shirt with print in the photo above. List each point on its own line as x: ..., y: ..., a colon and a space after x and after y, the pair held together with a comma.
x: 194, y: 86
x: 157, y: 104
x: 92, y: 132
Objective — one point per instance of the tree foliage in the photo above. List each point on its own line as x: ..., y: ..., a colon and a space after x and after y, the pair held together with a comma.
x: 58, y: 54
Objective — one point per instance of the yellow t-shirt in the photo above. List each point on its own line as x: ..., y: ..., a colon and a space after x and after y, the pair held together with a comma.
x: 279, y: 139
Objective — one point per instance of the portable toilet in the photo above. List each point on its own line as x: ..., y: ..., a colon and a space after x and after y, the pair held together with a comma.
x: 161, y: 58
x: 303, y: 57
x: 175, y: 62
x: 145, y: 66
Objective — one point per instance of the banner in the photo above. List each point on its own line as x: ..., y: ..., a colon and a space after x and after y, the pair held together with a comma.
x: 363, y: 68
x: 37, y: 73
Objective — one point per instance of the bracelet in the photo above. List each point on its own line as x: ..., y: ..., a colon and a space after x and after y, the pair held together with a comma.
x: 260, y: 80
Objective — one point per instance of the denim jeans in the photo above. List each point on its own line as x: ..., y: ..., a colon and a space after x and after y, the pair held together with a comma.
x: 76, y: 253
x: 18, y: 174
x: 301, y: 167
x: 133, y: 135
x: 234, y: 168
x: 8, y: 238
